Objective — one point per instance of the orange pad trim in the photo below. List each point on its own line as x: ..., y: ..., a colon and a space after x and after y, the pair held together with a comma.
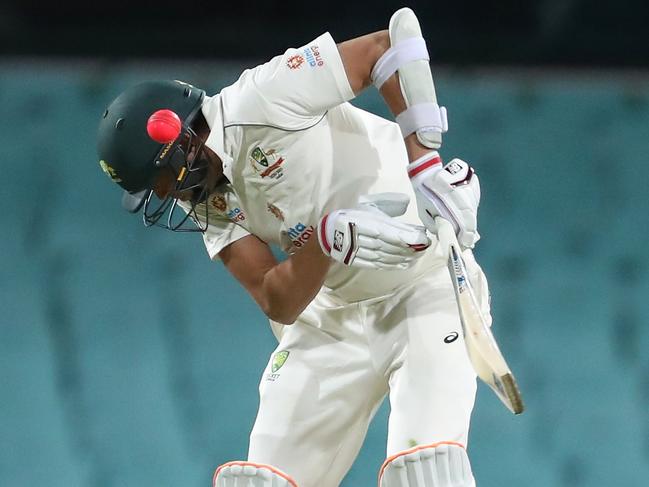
x: 412, y: 450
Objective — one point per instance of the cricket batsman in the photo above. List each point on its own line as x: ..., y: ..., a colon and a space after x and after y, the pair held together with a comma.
x: 362, y: 305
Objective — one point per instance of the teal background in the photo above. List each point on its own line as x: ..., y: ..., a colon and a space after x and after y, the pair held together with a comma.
x: 127, y: 358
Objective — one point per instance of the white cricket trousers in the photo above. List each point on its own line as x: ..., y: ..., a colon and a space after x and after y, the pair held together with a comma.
x: 316, y: 403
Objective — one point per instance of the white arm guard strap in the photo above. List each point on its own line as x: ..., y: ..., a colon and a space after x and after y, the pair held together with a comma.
x: 406, y: 51
x: 409, y: 57
x: 428, y: 115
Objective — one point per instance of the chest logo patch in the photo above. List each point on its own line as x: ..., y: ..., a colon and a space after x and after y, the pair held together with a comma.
x: 266, y: 163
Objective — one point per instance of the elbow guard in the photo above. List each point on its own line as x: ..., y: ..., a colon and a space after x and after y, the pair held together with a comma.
x: 408, y: 57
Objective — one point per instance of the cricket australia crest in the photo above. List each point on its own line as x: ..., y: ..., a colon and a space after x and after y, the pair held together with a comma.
x: 279, y: 359
x: 266, y: 163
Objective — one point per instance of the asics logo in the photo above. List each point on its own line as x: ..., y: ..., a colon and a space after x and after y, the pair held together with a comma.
x: 451, y: 337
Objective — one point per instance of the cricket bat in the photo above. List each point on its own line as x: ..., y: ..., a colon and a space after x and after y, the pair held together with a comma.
x: 488, y: 362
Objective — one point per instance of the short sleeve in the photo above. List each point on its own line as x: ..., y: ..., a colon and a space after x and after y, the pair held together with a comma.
x: 223, y: 215
x: 219, y: 234
x: 291, y: 90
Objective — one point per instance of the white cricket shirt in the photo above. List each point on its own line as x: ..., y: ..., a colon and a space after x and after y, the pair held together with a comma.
x: 293, y: 150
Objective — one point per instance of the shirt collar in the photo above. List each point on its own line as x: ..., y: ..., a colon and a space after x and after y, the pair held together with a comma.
x: 213, y: 112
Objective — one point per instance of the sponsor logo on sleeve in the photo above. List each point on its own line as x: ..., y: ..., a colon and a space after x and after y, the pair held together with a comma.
x: 300, y: 234
x: 295, y: 62
x: 236, y: 215
x: 221, y: 206
x: 313, y: 57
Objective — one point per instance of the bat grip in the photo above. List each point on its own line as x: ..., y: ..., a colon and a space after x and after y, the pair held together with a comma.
x: 446, y: 235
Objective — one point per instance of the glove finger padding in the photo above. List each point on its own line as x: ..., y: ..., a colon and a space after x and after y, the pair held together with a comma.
x: 368, y: 237
x: 382, y: 246
x: 465, y: 185
x: 451, y: 191
x: 390, y: 231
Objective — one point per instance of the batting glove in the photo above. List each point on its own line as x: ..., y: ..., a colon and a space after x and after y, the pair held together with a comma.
x: 451, y: 191
x: 369, y: 236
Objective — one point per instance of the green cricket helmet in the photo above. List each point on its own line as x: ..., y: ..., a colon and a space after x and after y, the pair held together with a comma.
x: 141, y: 134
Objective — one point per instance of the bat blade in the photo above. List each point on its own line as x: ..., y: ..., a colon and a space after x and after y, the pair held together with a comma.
x: 484, y: 353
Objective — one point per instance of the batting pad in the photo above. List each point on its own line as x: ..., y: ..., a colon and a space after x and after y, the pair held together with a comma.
x: 247, y: 474
x: 444, y: 464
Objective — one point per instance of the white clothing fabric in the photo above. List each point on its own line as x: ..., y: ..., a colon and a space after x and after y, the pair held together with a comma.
x: 293, y: 149
x: 341, y: 359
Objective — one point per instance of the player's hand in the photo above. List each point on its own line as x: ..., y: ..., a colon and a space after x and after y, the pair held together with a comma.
x: 451, y: 191
x: 369, y: 236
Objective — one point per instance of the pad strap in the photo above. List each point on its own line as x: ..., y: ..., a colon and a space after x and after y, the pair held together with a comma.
x: 423, y: 117
x: 403, y: 52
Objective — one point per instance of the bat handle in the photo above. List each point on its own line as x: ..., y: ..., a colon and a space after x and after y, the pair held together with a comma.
x: 446, y: 234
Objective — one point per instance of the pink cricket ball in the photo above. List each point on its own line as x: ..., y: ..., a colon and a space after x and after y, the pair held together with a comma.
x: 164, y: 126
